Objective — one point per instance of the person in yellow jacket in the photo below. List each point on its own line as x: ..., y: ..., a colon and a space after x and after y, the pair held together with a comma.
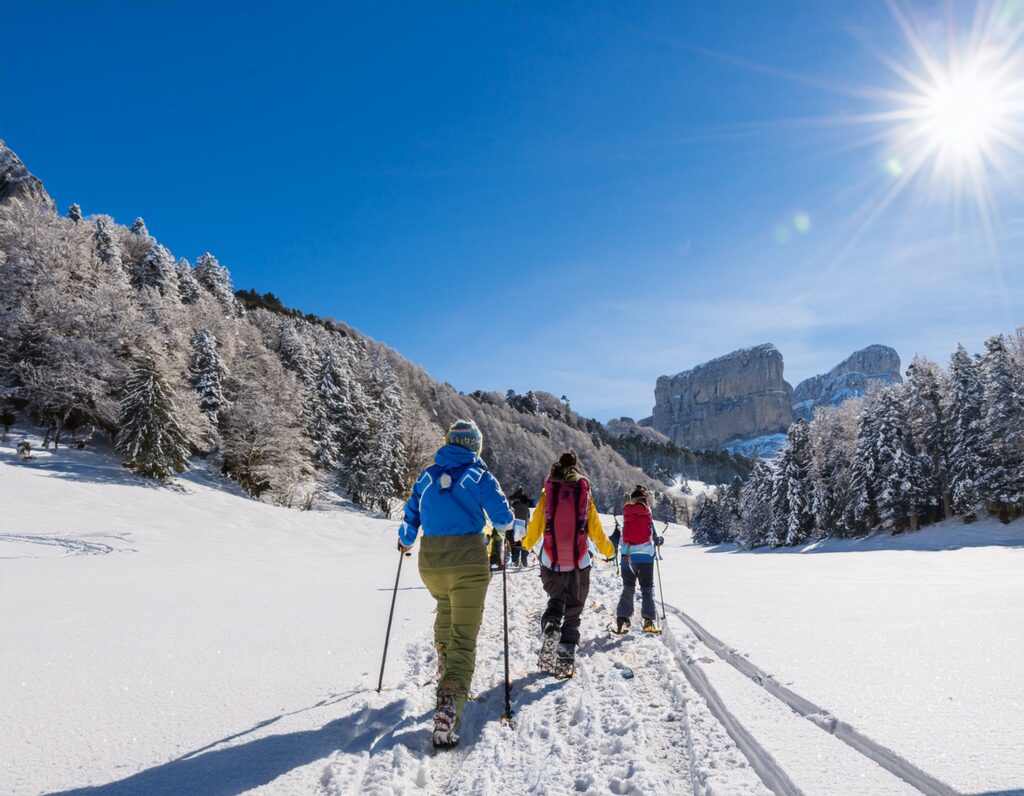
x: 565, y: 522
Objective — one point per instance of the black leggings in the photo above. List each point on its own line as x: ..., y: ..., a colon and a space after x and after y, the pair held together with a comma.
x: 567, y: 593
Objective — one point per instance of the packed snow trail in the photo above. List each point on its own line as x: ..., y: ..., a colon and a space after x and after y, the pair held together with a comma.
x: 597, y: 732
x: 886, y: 758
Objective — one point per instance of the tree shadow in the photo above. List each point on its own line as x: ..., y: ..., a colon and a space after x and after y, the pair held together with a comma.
x: 230, y: 770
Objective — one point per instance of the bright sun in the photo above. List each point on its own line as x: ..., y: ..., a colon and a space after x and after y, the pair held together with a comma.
x: 961, y: 116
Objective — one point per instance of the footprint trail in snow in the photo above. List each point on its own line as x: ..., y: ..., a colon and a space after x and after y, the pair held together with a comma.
x: 596, y: 733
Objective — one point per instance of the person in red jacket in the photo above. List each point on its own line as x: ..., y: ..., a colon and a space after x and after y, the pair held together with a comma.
x: 637, y: 549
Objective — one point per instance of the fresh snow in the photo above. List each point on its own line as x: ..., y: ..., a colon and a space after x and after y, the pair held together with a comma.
x: 186, y: 639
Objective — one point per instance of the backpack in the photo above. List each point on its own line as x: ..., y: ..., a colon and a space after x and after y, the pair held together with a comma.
x: 565, y: 522
x: 636, y: 523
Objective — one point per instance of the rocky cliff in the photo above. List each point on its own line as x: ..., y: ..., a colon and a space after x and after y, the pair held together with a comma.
x: 847, y: 379
x: 738, y: 396
x: 17, y: 182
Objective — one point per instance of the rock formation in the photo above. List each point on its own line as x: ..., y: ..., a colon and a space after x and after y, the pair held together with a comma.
x: 738, y: 396
x: 17, y: 182
x: 847, y: 379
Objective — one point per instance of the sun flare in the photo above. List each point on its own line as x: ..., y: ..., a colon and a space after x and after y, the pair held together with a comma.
x: 962, y: 115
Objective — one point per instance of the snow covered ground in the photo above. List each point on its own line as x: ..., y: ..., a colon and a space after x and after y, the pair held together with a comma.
x: 186, y: 639
x: 916, y: 640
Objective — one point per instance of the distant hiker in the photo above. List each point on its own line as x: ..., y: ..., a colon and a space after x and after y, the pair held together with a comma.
x: 495, y: 547
x: 639, y: 541
x: 448, y: 503
x: 521, y: 505
x: 566, y: 519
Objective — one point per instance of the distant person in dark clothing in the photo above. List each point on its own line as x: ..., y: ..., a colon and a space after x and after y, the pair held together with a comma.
x: 521, y: 504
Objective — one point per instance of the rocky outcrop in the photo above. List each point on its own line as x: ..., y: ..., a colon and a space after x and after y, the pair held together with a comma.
x: 847, y: 379
x: 738, y: 396
x: 17, y: 182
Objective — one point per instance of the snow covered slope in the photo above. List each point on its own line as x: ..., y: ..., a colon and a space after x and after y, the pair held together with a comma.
x: 186, y: 639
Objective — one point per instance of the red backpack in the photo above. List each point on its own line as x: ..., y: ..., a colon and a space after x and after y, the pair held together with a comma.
x: 636, y: 523
x: 565, y: 523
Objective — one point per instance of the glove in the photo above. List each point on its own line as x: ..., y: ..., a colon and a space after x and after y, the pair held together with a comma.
x: 658, y: 540
x: 402, y: 548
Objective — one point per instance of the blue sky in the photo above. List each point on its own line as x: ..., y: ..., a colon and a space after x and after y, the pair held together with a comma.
x: 570, y: 197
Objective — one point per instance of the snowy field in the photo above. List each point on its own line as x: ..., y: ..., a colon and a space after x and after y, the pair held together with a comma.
x: 185, y: 639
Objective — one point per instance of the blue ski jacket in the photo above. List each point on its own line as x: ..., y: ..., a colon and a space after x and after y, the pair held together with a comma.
x: 456, y: 505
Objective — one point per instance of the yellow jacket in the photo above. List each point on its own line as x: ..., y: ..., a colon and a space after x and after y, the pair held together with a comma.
x: 535, y: 530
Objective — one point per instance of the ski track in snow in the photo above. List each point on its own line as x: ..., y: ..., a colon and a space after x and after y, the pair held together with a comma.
x: 71, y: 546
x: 595, y: 733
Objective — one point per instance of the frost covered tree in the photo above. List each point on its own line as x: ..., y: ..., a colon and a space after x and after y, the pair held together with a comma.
x: 926, y: 393
x: 966, y: 404
x: 139, y: 229
x: 833, y: 439
x: 215, y: 278
x: 157, y: 270
x: 707, y: 523
x: 755, y: 506
x: 861, y: 514
x: 326, y: 408
x: 1001, y: 484
x: 902, y: 487
x: 208, y: 373
x: 381, y: 473
x: 795, y: 490
x: 150, y: 438
x: 108, y: 249
x: 75, y: 213
x: 188, y: 288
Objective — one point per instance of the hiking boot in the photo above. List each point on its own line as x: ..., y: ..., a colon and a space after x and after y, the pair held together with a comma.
x: 650, y: 627
x: 564, y: 664
x: 622, y: 625
x: 444, y: 724
x: 549, y: 636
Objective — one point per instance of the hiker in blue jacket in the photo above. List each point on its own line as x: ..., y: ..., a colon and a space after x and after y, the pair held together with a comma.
x: 451, y: 502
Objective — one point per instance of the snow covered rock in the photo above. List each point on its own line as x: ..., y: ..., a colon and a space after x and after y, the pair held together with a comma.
x: 17, y: 182
x: 847, y: 379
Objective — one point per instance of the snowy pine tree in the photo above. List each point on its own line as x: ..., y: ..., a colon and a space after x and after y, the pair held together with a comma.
x: 75, y: 212
x: 215, y: 278
x: 861, y: 513
x: 927, y: 403
x: 157, y: 270
x: 707, y: 524
x: 795, y: 468
x: 188, y: 287
x: 755, y: 506
x: 150, y: 437
x: 1001, y: 484
x: 139, y: 229
x: 902, y: 487
x: 326, y: 408
x: 108, y: 250
x: 966, y: 404
x: 208, y: 373
x: 384, y: 476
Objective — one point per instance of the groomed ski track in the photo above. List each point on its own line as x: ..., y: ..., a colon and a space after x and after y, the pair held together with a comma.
x: 668, y: 730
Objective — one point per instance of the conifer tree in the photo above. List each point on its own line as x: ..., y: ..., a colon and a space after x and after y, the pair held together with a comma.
x: 108, y: 250
x: 1001, y: 484
x: 326, y: 408
x: 150, y: 437
x: 861, y: 513
x: 157, y: 270
x: 139, y: 229
x: 795, y: 467
x: 966, y: 403
x: 755, y: 507
x: 188, y: 287
x: 927, y: 407
x: 902, y: 490
x: 75, y: 212
x: 208, y: 374
x: 215, y: 278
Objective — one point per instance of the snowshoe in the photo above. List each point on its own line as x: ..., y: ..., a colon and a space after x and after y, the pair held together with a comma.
x: 650, y: 627
x: 546, y: 658
x: 444, y: 725
x: 564, y: 664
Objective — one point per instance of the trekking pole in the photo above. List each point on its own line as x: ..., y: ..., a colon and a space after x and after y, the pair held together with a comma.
x: 657, y: 565
x: 391, y: 615
x: 506, y: 717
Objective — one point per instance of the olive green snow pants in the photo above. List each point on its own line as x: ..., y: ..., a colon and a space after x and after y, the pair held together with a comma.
x: 455, y: 571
